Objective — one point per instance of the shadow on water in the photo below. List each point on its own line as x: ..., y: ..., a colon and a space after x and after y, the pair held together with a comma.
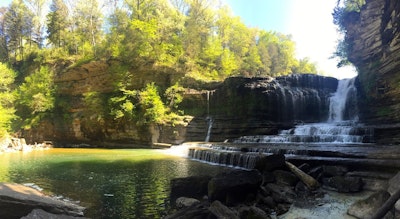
x: 110, y: 183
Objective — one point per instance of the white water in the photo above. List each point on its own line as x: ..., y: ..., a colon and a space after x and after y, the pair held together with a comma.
x: 337, y: 102
x: 210, y: 123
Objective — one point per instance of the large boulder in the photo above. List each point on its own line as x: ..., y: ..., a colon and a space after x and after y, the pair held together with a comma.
x: 270, y: 163
x: 367, y: 207
x: 234, y: 186
x: 17, y: 201
x: 343, y: 184
x: 193, y: 187
x: 394, y: 185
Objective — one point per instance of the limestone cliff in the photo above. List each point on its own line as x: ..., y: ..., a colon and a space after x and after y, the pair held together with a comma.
x: 373, y: 36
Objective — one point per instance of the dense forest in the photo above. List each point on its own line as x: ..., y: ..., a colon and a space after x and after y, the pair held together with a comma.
x: 199, y: 39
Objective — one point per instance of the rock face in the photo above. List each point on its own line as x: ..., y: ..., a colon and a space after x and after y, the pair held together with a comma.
x: 17, y: 201
x: 251, y: 106
x: 374, y: 48
x: 236, y: 107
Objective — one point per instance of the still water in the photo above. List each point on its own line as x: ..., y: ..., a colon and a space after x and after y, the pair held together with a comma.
x: 123, y: 183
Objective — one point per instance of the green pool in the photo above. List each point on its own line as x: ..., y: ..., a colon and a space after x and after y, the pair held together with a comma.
x: 118, y: 183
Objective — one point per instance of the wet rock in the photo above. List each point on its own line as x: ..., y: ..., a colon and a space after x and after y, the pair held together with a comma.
x: 17, y: 201
x: 394, y: 185
x: 367, y: 207
x: 267, y: 201
x: 222, y: 211
x: 281, y: 193
x: 285, y: 177
x: 234, y: 186
x: 253, y: 212
x: 197, y: 211
x: 41, y: 214
x: 268, y: 177
x: 270, y: 163
x: 343, y: 184
x: 316, y: 172
x: 184, y: 202
x: 193, y: 187
x: 334, y: 170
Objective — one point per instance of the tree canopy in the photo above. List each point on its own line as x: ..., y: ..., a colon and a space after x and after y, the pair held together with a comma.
x: 197, y: 38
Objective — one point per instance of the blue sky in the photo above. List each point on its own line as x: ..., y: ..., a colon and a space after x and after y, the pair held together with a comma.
x: 308, y: 21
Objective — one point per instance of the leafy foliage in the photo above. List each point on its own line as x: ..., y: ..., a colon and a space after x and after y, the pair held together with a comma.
x: 6, y: 98
x: 35, y: 97
x: 198, y: 39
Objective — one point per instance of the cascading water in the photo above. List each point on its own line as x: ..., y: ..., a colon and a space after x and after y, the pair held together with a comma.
x: 341, y: 126
x: 340, y: 129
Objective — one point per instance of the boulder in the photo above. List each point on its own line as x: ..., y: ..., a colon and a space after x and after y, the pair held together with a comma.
x: 184, y: 202
x: 197, y: 211
x: 252, y: 212
x: 40, y: 214
x: 17, y: 201
x: 270, y: 163
x: 367, y: 207
x: 334, y: 170
x: 234, y: 186
x: 222, y: 211
x: 394, y: 185
x: 193, y: 187
x: 281, y: 193
x: 285, y: 177
x: 343, y: 184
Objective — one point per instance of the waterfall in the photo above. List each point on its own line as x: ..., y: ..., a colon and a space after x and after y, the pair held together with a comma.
x: 339, y: 99
x: 210, y: 123
x: 209, y: 119
x: 341, y: 127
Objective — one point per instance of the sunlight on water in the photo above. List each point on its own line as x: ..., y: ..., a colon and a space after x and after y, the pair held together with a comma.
x: 123, y: 183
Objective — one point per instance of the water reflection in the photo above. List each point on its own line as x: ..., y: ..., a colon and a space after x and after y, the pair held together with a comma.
x: 110, y: 183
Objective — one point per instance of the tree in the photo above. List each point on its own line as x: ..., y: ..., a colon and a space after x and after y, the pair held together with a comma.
x: 35, y: 97
x: 38, y: 20
x: 88, y: 21
x: 7, y: 77
x: 57, y: 23
x: 18, y: 27
x: 151, y: 107
x: 3, y: 36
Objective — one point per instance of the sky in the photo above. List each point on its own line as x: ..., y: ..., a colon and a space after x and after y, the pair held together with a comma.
x: 309, y: 22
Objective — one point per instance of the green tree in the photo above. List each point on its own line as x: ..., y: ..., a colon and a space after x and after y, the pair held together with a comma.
x: 151, y: 107
x: 3, y: 36
x: 18, y: 28
x: 57, y: 23
x: 88, y: 21
x: 35, y: 97
x: 37, y: 8
x: 7, y: 77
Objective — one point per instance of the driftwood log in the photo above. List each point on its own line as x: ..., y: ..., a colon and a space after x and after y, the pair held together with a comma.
x: 308, y: 180
x: 387, y: 206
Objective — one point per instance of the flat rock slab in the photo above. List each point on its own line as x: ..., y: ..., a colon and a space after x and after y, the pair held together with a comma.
x: 17, y: 201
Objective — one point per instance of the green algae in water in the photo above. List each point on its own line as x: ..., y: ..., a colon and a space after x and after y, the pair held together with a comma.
x: 123, y: 183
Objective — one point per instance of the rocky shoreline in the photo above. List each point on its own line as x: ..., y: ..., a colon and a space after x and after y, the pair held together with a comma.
x: 19, y: 144
x: 20, y: 201
x: 274, y: 187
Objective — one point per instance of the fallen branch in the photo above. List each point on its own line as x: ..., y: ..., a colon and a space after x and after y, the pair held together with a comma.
x: 308, y: 180
x: 387, y: 206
